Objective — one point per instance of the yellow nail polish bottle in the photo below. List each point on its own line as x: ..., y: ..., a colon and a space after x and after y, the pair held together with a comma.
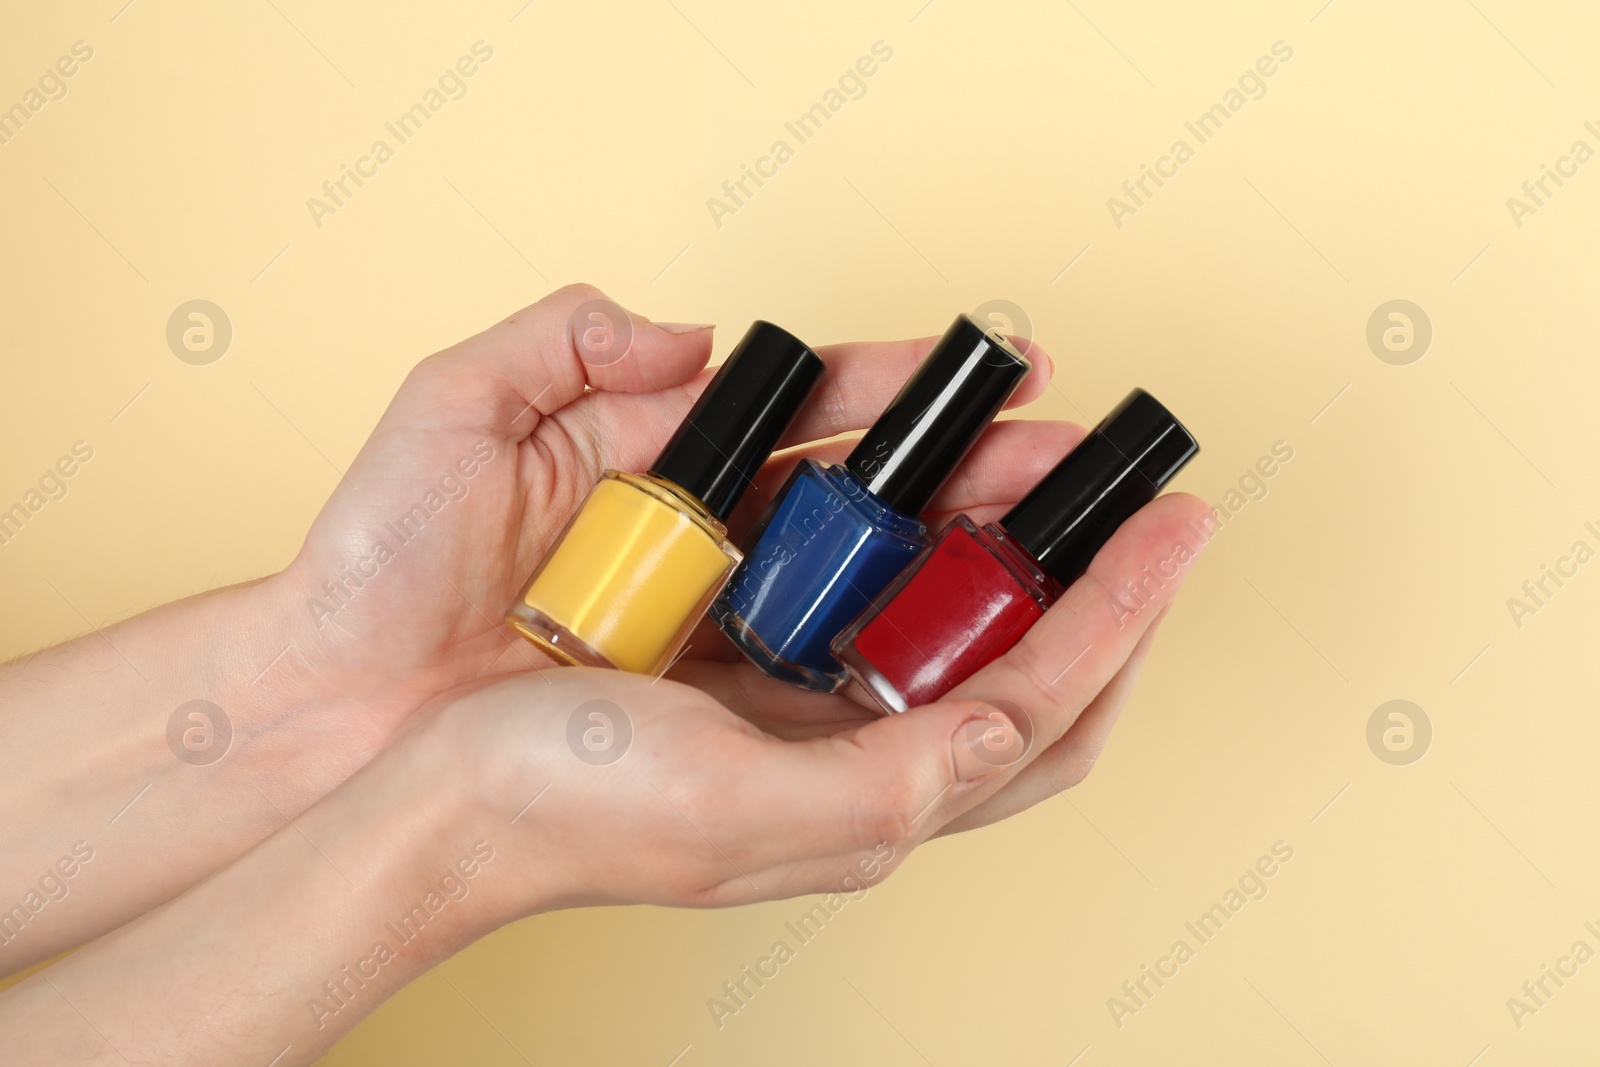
x: 645, y: 555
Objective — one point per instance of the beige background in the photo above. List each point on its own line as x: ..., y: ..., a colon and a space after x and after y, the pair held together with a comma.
x: 977, y: 166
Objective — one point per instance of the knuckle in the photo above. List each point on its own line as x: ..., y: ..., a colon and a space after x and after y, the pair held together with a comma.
x: 969, y: 484
x: 834, y: 405
x: 548, y: 314
x: 895, y: 810
x: 576, y: 293
x: 1026, y: 660
x: 429, y: 370
x: 1104, y: 573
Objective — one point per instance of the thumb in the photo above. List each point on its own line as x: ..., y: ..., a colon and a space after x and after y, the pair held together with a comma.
x: 897, y: 779
x: 538, y: 360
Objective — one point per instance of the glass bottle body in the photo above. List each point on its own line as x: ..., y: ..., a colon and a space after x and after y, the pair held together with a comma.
x: 825, y: 547
x: 628, y: 578
x: 964, y: 603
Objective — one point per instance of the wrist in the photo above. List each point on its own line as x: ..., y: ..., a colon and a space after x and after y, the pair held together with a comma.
x: 441, y: 856
x: 303, y: 709
x: 425, y: 866
x: 497, y: 760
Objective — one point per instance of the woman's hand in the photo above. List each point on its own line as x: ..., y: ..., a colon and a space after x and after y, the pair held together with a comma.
x: 735, y: 787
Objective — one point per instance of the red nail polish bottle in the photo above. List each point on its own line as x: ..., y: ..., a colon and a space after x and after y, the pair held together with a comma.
x: 972, y: 594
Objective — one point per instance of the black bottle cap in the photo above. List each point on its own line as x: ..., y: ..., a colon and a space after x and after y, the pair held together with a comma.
x: 734, y: 426
x: 937, y: 416
x: 1115, y: 471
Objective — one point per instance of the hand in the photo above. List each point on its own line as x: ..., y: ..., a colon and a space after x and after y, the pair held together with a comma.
x: 736, y: 787
x: 624, y: 789
x: 603, y: 787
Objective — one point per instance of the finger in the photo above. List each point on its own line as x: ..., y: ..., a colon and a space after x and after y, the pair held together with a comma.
x: 886, y: 783
x: 863, y: 376
x: 1083, y: 640
x: 545, y: 356
x: 1008, y: 460
x: 776, y: 707
x: 861, y: 379
x: 1067, y: 762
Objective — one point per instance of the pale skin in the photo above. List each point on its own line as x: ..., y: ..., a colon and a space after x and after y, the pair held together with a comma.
x: 409, y: 726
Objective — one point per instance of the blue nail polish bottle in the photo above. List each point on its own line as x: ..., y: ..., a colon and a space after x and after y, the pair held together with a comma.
x: 835, y: 536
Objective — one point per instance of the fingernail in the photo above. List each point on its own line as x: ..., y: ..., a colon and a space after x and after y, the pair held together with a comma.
x: 984, y: 744
x: 1052, y: 363
x: 683, y: 327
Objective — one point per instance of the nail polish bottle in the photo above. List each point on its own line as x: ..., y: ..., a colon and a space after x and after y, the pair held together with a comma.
x: 976, y: 590
x: 637, y: 566
x: 834, y: 536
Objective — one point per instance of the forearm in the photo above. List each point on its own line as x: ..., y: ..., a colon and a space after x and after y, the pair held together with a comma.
x: 115, y: 800
x: 287, y: 948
